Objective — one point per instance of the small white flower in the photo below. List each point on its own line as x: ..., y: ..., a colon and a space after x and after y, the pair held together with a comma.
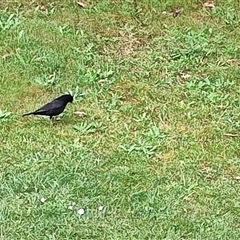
x: 100, y: 208
x: 70, y: 207
x: 81, y: 211
x: 43, y: 200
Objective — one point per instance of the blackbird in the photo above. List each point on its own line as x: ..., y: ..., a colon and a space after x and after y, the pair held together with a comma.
x: 54, y: 107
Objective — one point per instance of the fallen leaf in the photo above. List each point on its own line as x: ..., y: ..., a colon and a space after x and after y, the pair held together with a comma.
x: 38, y: 59
x: 102, y: 81
x: 232, y: 61
x: 81, y: 4
x: 134, y: 128
x: 185, y: 75
x: 7, y: 55
x: 42, y: 8
x: 209, y: 4
x: 154, y: 10
x: 80, y: 114
x: 231, y: 135
x: 176, y: 12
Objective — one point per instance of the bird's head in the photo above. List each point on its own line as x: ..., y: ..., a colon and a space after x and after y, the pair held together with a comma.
x: 67, y: 98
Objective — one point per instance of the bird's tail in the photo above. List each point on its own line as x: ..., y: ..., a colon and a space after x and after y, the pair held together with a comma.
x: 26, y: 114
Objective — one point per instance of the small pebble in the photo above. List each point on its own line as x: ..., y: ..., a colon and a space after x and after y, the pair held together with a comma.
x: 81, y: 211
x: 100, y: 208
x: 43, y: 200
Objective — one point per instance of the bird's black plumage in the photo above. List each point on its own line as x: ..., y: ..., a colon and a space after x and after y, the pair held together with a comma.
x: 54, y: 107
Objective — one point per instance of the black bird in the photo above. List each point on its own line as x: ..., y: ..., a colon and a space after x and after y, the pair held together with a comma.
x: 53, y: 108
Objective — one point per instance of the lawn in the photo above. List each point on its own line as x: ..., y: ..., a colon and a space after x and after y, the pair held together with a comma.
x: 158, y: 149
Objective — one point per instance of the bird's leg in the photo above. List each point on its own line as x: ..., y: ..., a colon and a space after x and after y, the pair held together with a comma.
x: 51, y: 120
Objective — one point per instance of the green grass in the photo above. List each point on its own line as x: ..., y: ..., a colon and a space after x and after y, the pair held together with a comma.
x: 161, y: 96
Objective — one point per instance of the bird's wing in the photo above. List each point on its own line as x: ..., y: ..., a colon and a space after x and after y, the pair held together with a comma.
x: 50, y: 106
